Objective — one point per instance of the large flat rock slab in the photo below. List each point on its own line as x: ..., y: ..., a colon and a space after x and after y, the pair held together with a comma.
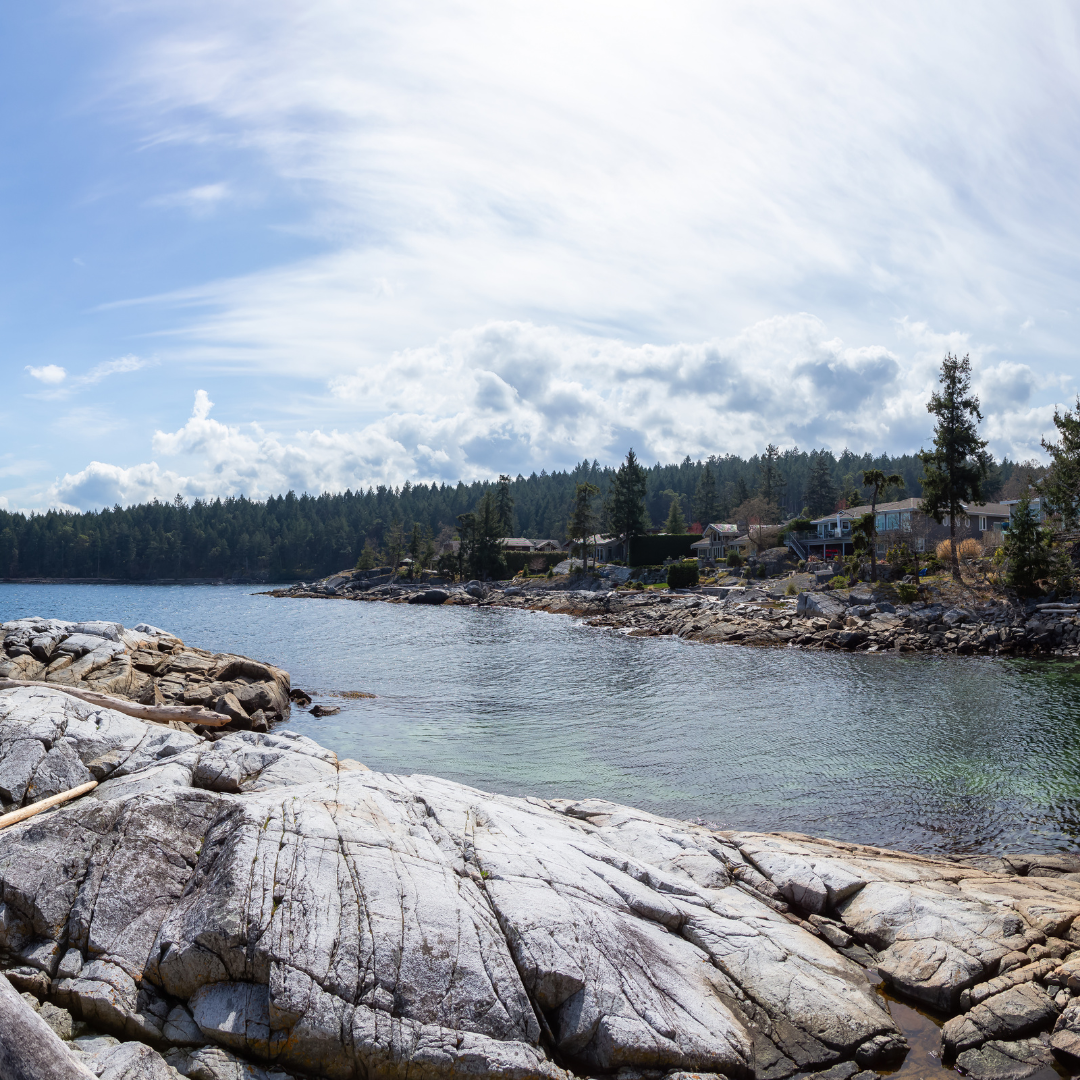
x: 254, y: 900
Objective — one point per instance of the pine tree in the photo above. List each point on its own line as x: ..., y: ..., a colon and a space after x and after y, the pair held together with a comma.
x: 1060, y: 487
x: 1025, y: 547
x: 820, y: 494
x: 626, y: 502
x: 770, y: 474
x: 676, y: 523
x: 954, y: 469
x: 504, y: 506
x: 582, y: 523
x: 706, y: 505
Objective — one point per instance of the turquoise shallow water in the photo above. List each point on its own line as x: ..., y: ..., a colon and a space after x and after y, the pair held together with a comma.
x: 919, y: 753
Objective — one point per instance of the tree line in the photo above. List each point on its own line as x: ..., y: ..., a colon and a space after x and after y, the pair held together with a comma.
x: 304, y: 536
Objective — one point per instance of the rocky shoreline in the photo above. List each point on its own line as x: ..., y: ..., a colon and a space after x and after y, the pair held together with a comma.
x: 243, y: 904
x: 860, y: 619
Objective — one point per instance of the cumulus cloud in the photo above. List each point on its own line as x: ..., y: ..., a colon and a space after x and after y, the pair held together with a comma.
x: 517, y: 397
x: 51, y: 374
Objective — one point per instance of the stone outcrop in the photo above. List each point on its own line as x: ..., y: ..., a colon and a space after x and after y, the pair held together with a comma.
x: 146, y: 665
x: 252, y: 906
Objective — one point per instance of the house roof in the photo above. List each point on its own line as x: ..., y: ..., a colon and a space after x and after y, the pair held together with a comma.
x: 723, y: 529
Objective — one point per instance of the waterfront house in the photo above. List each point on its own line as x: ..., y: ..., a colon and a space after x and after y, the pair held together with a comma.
x: 716, y: 541
x: 516, y: 543
x: 830, y: 537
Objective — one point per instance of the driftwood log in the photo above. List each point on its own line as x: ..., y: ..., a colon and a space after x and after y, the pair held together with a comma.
x: 25, y: 812
x: 29, y: 1048
x: 157, y: 714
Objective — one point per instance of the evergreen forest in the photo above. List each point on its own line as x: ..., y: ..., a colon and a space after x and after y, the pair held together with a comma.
x: 290, y: 537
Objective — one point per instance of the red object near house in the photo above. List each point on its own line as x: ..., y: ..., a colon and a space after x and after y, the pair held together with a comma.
x: 696, y: 528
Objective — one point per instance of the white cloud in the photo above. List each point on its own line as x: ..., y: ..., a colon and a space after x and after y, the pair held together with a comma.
x: 198, y: 201
x: 656, y: 175
x: 516, y: 397
x: 64, y: 387
x: 51, y: 374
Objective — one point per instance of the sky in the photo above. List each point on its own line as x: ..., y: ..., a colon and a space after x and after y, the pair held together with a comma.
x: 252, y: 247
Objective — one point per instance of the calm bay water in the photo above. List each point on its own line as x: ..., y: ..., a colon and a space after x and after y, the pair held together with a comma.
x: 919, y: 753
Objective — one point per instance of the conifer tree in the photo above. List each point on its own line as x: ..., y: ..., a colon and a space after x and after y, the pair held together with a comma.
x: 1025, y: 548
x: 706, y: 505
x: 504, y: 506
x: 626, y: 502
x: 820, y: 494
x: 954, y: 469
x: 676, y: 523
x: 1060, y: 487
x: 582, y: 524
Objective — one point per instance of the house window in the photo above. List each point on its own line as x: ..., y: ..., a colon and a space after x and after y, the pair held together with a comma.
x: 905, y: 521
x: 879, y: 523
x: 982, y: 524
x: 920, y: 543
x: 892, y: 521
x: 845, y: 526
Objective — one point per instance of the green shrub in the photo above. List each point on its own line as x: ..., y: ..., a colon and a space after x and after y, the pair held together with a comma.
x: 550, y: 572
x: 790, y: 590
x: 734, y: 558
x: 761, y: 571
x: 839, y: 582
x: 802, y: 565
x: 907, y: 591
x: 682, y: 575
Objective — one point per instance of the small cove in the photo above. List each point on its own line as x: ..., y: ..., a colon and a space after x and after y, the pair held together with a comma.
x: 919, y: 753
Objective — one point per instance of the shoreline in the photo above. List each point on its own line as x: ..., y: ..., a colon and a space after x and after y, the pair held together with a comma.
x: 861, y: 619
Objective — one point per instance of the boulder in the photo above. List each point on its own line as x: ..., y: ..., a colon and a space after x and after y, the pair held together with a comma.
x: 1009, y: 1015
x: 429, y: 596
x: 819, y: 606
x: 1005, y: 1060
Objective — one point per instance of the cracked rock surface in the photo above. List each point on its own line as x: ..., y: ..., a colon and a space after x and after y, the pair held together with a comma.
x: 145, y: 664
x: 254, y: 907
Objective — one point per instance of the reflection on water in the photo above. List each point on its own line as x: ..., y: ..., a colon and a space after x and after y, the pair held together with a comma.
x: 919, y: 753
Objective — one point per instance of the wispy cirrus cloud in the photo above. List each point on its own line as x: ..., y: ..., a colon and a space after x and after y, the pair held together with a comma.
x: 65, y: 385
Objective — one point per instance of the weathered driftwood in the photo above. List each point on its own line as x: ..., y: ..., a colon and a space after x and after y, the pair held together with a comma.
x: 29, y: 1048
x: 43, y: 804
x: 158, y: 714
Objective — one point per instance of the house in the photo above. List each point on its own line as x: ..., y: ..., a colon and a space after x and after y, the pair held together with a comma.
x: 546, y: 545
x: 516, y: 543
x: 715, y: 542
x: 830, y: 537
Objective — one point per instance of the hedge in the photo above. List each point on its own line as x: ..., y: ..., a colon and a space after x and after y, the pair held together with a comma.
x: 645, y: 550
x: 537, y: 561
x: 681, y: 575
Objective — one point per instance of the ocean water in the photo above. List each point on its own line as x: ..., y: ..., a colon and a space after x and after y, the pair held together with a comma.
x: 919, y: 753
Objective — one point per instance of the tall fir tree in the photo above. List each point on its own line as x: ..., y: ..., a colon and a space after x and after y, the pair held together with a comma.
x: 877, y: 481
x: 820, y: 495
x: 706, y: 505
x: 625, y: 510
x: 954, y: 469
x: 582, y: 524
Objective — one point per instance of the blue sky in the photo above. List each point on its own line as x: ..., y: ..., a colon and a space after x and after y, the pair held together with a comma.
x: 321, y: 245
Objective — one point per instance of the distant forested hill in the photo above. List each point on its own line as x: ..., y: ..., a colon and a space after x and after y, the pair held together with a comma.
x: 303, y: 536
